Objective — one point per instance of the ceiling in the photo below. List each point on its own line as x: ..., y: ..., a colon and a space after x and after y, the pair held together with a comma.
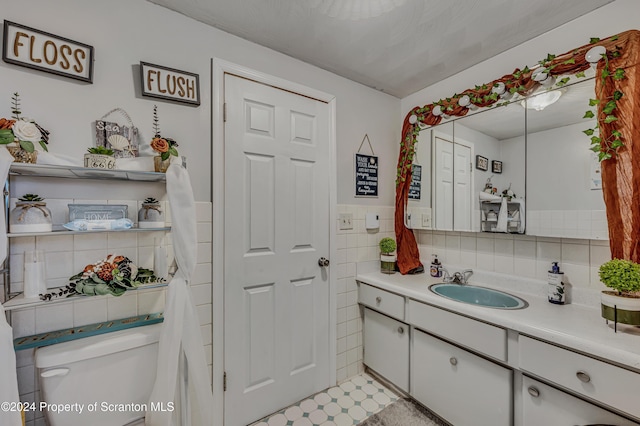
x: 395, y: 46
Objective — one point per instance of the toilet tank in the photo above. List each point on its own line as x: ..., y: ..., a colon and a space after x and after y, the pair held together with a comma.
x: 103, y: 380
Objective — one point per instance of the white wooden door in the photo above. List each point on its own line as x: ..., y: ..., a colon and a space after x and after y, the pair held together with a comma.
x: 386, y: 347
x: 276, y: 229
x: 462, y: 207
x: 443, y: 184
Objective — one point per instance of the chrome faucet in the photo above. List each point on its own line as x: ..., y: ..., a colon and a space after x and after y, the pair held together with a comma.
x: 460, y: 277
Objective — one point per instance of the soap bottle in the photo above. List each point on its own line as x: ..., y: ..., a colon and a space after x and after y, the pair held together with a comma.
x: 556, y: 286
x: 436, y: 267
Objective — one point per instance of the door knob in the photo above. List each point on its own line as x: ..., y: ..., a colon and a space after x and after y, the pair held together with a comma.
x: 323, y: 262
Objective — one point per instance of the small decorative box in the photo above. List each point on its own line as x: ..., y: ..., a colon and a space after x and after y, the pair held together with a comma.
x: 97, y: 212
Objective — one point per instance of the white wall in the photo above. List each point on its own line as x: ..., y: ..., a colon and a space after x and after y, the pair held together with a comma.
x: 614, y: 18
x: 123, y: 33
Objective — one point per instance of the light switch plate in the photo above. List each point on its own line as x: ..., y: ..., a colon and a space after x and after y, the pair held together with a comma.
x: 345, y: 221
x: 426, y: 220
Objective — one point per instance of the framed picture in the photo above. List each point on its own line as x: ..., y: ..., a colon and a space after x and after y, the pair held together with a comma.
x: 496, y: 166
x: 42, y: 51
x: 482, y: 163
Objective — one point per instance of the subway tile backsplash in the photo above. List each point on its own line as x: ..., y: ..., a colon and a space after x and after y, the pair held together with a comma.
x: 521, y: 255
x: 353, y: 246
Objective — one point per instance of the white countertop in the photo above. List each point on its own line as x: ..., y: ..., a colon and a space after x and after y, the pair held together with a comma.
x: 578, y: 327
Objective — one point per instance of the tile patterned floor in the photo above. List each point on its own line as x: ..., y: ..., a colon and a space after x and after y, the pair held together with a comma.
x: 344, y: 405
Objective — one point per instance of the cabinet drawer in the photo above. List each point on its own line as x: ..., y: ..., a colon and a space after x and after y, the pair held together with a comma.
x: 476, y: 335
x: 545, y: 405
x: 611, y: 385
x: 386, y: 347
x: 463, y: 388
x: 381, y: 300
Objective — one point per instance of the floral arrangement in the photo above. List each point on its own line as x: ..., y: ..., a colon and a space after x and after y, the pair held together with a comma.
x: 164, y: 146
x: 387, y: 245
x: 113, y: 275
x: 21, y: 130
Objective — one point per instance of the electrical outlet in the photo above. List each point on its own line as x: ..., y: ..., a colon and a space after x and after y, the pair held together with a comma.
x: 345, y: 221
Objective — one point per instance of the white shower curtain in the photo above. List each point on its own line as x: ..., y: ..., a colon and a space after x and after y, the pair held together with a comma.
x: 180, y: 336
x: 8, y: 377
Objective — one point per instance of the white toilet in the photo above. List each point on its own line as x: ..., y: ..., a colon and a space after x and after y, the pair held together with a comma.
x: 98, y: 375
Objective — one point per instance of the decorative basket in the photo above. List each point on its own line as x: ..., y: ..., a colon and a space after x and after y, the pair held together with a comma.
x: 99, y: 161
x: 161, y: 165
x: 22, y: 156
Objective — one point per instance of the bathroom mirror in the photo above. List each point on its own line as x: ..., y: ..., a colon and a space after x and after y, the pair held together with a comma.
x: 457, y: 159
x: 564, y: 196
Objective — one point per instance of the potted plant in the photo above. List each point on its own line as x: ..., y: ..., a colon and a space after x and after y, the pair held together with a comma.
x: 622, y: 304
x: 20, y: 133
x: 30, y: 215
x: 100, y: 157
x: 165, y: 147
x: 387, y: 259
x: 150, y: 214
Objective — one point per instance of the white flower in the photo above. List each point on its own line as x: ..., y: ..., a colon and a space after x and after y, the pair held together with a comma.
x: 26, y: 131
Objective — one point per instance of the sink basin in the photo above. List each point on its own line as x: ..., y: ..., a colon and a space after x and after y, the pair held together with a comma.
x: 479, y: 296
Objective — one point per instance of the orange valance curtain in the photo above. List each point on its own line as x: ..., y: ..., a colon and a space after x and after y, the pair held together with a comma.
x: 620, y: 174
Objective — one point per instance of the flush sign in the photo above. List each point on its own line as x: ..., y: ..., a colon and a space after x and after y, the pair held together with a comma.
x: 170, y: 84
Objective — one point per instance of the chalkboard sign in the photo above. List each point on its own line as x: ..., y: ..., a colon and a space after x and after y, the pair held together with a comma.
x: 366, y: 175
x: 415, y: 188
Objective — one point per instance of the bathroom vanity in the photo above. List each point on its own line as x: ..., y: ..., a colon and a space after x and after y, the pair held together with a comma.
x: 542, y: 365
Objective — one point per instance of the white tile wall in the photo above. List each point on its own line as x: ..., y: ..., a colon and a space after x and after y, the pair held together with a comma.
x: 355, y: 245
x: 66, y: 255
x: 520, y: 255
x: 590, y: 224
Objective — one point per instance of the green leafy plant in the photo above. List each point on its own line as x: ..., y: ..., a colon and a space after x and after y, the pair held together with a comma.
x: 150, y: 200
x: 621, y: 275
x: 31, y: 198
x: 100, y: 150
x: 387, y: 245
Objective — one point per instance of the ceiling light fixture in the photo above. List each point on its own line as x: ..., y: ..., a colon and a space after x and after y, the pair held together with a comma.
x: 541, y: 100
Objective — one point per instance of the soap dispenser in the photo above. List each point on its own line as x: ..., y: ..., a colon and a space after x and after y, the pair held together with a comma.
x: 556, y: 286
x: 436, y: 267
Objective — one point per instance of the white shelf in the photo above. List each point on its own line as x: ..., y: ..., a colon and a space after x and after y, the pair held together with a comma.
x: 20, y: 302
x: 64, y: 231
x: 70, y: 172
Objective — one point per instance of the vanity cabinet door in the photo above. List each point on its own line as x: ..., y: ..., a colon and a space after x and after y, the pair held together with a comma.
x: 462, y: 388
x: 545, y: 405
x: 386, y: 347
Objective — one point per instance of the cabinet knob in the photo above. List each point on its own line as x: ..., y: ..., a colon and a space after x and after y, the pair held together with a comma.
x: 533, y: 391
x: 323, y: 262
x: 378, y: 300
x: 583, y: 377
x: 453, y: 361
x: 400, y: 330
